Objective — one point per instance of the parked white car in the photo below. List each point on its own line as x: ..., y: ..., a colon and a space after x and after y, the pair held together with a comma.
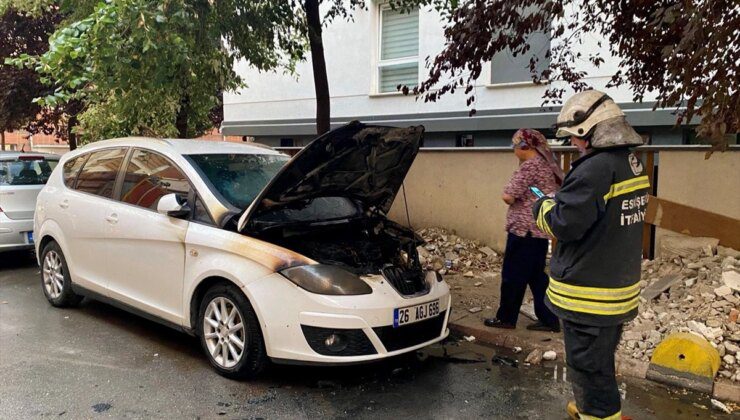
x: 22, y: 175
x: 262, y: 257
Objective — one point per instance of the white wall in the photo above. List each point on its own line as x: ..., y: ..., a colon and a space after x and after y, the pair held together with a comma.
x: 351, y: 50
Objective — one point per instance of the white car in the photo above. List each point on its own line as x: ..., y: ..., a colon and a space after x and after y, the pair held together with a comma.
x: 22, y: 175
x: 262, y: 257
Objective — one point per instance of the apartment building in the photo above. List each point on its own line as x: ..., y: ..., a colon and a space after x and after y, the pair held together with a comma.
x: 368, y: 57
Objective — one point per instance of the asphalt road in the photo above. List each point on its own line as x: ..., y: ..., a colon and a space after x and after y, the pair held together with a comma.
x: 96, y: 361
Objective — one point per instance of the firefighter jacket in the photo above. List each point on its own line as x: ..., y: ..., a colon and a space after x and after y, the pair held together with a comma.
x: 597, y: 219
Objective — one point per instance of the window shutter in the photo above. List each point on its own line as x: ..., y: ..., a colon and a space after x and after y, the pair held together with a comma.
x: 399, y: 74
x: 399, y: 40
x: 400, y: 34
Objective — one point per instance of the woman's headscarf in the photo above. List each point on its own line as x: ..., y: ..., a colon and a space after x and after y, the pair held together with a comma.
x: 533, y: 139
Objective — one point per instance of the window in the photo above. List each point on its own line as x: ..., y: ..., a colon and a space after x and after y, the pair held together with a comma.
x: 287, y: 142
x: 505, y: 68
x: 200, y: 212
x: 98, y: 175
x: 71, y: 168
x: 150, y: 176
x: 27, y: 170
x: 238, y: 178
x: 399, y: 50
x: 464, y: 140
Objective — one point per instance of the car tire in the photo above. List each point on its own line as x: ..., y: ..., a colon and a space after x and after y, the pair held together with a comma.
x: 55, y: 279
x: 221, y: 336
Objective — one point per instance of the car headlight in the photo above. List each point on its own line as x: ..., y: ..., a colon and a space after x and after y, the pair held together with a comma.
x: 326, y: 280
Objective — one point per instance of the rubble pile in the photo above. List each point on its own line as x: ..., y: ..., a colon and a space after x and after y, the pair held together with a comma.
x: 694, y: 290
x: 447, y: 253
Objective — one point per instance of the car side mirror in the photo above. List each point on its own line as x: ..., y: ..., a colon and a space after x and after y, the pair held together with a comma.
x: 171, y: 205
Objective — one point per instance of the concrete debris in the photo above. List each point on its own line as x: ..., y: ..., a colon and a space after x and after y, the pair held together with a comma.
x: 687, y: 246
x: 445, y: 250
x: 718, y: 405
x: 517, y: 350
x: 488, y: 252
x: 475, y: 310
x: 478, y: 284
x: 549, y: 355
x: 469, y: 338
x: 527, y: 309
x: 534, y: 357
x: 660, y: 286
x: 694, y: 287
x: 731, y: 278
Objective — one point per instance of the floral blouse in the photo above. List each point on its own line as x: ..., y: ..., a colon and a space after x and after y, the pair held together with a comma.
x: 533, y: 172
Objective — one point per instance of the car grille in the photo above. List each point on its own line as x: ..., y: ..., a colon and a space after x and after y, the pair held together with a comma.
x: 412, y: 334
x: 357, y: 342
x: 406, y: 282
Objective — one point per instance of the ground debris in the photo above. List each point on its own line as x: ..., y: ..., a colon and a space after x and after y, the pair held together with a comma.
x: 503, y: 360
x: 445, y: 251
x: 688, y: 289
x: 534, y: 357
x: 718, y: 405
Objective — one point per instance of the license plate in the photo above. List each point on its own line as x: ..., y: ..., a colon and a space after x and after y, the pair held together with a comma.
x: 416, y: 313
x: 29, y: 235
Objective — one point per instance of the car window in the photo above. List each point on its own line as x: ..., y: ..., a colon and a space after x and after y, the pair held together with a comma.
x: 29, y: 170
x: 98, y: 175
x: 149, y: 176
x: 71, y: 168
x: 200, y: 212
x: 238, y: 178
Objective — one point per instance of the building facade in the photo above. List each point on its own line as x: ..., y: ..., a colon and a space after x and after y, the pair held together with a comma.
x: 368, y: 57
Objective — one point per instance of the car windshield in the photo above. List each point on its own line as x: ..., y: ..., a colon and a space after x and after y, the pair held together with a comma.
x: 26, y: 171
x: 238, y: 178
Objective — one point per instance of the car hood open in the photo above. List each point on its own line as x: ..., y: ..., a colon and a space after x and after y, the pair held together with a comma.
x: 366, y: 163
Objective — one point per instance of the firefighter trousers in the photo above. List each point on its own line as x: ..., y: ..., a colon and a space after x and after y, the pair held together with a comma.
x: 589, y: 353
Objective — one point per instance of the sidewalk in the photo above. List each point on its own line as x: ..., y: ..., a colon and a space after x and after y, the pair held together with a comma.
x: 485, y: 296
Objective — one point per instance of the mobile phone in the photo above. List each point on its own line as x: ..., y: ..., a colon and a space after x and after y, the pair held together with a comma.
x: 536, y: 191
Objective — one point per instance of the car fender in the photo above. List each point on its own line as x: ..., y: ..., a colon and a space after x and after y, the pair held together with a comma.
x: 50, y: 228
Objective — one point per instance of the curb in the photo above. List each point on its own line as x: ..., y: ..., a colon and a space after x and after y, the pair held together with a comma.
x: 625, y: 366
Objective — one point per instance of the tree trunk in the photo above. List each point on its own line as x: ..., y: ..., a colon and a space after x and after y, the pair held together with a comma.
x: 181, y: 121
x: 71, y: 136
x: 2, y: 140
x: 321, y: 82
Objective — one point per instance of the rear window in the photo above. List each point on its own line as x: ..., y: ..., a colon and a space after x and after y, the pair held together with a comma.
x: 98, y: 176
x: 26, y: 171
x: 71, y: 168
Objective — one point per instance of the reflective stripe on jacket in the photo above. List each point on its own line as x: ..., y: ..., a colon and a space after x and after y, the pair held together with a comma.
x: 597, y: 218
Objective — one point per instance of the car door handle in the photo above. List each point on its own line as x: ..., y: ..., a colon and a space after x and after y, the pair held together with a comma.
x: 112, y: 219
x: 64, y: 204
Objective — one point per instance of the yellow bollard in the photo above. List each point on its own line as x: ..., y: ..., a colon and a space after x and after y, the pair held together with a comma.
x: 685, y: 360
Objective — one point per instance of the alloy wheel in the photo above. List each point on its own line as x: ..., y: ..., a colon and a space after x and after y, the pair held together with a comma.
x: 224, y: 332
x: 53, y: 273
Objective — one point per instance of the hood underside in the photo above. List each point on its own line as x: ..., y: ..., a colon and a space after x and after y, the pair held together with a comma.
x: 365, y: 163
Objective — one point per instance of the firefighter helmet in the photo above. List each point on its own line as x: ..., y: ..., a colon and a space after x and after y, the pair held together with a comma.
x: 593, y: 113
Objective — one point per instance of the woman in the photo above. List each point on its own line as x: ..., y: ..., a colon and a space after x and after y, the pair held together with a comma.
x: 526, y: 245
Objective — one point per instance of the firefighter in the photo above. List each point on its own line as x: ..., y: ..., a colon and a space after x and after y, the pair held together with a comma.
x: 595, y: 268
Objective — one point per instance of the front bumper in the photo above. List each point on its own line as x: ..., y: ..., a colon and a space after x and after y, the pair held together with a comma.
x: 14, y: 233
x: 284, y: 325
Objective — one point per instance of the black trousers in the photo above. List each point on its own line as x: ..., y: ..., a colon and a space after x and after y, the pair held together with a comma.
x: 589, y: 353
x: 524, y: 264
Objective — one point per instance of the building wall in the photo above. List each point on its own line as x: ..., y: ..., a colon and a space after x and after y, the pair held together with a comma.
x: 710, y: 184
x: 461, y: 189
x: 21, y: 140
x: 278, y: 105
